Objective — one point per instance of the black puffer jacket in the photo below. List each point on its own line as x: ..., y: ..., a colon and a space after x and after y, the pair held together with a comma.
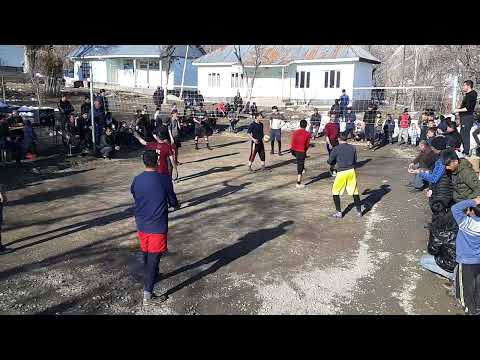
x: 442, y: 192
x: 442, y: 238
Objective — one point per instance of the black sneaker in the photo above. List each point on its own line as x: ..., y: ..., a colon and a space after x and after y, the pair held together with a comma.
x: 272, y: 152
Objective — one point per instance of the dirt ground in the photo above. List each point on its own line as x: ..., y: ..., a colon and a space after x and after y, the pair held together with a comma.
x: 242, y: 243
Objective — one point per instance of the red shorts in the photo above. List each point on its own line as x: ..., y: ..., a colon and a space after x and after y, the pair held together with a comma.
x: 152, y: 243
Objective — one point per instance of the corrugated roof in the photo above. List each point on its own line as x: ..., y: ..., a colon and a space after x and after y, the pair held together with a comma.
x: 92, y: 51
x: 284, y: 54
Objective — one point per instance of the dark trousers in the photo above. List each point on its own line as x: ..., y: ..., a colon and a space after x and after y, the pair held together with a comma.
x: 300, y: 156
x: 468, y: 287
x: 349, y: 131
x: 370, y: 133
x: 356, y: 202
x: 150, y: 268
x: 257, y: 148
x: 467, y: 123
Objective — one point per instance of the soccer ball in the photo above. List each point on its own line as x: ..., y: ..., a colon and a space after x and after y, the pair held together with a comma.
x: 266, y: 138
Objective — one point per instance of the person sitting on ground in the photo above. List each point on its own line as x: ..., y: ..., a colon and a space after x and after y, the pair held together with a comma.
x: 108, y: 146
x: 466, y: 184
x: 466, y: 214
x: 454, y: 139
x: 424, y: 160
x: 431, y: 134
x: 315, y: 122
x: 153, y: 194
x: 344, y: 156
x: 438, y: 145
x: 299, y: 146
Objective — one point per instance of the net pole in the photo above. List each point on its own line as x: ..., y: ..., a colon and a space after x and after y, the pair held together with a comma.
x: 92, y: 114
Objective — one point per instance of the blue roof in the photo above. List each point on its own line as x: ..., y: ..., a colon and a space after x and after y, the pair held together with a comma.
x: 12, y: 55
x: 92, y: 51
x: 284, y: 54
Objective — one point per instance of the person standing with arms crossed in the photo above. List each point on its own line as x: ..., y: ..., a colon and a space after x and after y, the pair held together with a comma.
x: 276, y: 124
x: 255, y: 132
x: 466, y: 114
x: 153, y: 194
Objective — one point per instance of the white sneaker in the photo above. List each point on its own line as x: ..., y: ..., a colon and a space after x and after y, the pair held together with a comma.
x: 300, y: 186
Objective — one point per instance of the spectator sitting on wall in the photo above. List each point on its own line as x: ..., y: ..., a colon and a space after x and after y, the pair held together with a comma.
x: 238, y: 102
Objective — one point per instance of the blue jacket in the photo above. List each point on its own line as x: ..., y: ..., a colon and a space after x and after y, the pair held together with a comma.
x: 153, y: 194
x: 436, y: 174
x: 468, y: 236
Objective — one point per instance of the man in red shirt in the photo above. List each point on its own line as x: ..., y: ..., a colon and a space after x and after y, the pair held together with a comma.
x: 164, y: 151
x: 299, y: 147
x: 331, y: 132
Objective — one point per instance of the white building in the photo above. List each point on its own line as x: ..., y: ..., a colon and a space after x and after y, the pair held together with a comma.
x: 136, y: 66
x: 313, y: 74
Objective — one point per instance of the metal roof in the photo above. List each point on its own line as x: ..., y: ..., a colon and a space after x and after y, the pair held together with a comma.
x: 112, y: 51
x: 12, y: 55
x: 285, y: 54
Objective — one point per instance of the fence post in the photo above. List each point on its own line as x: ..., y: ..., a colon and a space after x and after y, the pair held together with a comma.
x: 454, y: 96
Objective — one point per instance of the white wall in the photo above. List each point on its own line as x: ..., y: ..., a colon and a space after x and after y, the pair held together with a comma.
x: 99, y: 69
x: 363, y: 78
x: 317, y: 80
x: 225, y: 79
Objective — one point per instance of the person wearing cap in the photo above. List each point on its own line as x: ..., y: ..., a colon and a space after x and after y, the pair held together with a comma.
x: 277, y: 121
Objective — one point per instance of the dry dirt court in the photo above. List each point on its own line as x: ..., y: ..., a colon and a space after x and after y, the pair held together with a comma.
x: 242, y: 243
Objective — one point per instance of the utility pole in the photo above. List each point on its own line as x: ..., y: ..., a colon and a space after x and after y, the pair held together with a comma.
x: 183, y: 73
x: 92, y: 112
x: 412, y: 106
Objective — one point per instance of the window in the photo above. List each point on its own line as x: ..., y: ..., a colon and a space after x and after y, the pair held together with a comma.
x: 127, y: 64
x: 236, y: 80
x: 154, y: 65
x: 143, y: 64
x: 300, y: 79
x: 213, y: 80
x: 330, y: 77
x: 85, y: 70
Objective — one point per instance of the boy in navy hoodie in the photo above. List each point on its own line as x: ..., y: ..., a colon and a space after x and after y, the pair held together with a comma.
x: 468, y: 254
x: 153, y: 194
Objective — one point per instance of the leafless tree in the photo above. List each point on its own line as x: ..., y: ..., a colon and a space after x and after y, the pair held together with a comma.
x: 255, y: 60
x: 166, y: 55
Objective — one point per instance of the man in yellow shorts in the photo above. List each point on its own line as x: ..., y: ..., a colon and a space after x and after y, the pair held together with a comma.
x: 345, y: 157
